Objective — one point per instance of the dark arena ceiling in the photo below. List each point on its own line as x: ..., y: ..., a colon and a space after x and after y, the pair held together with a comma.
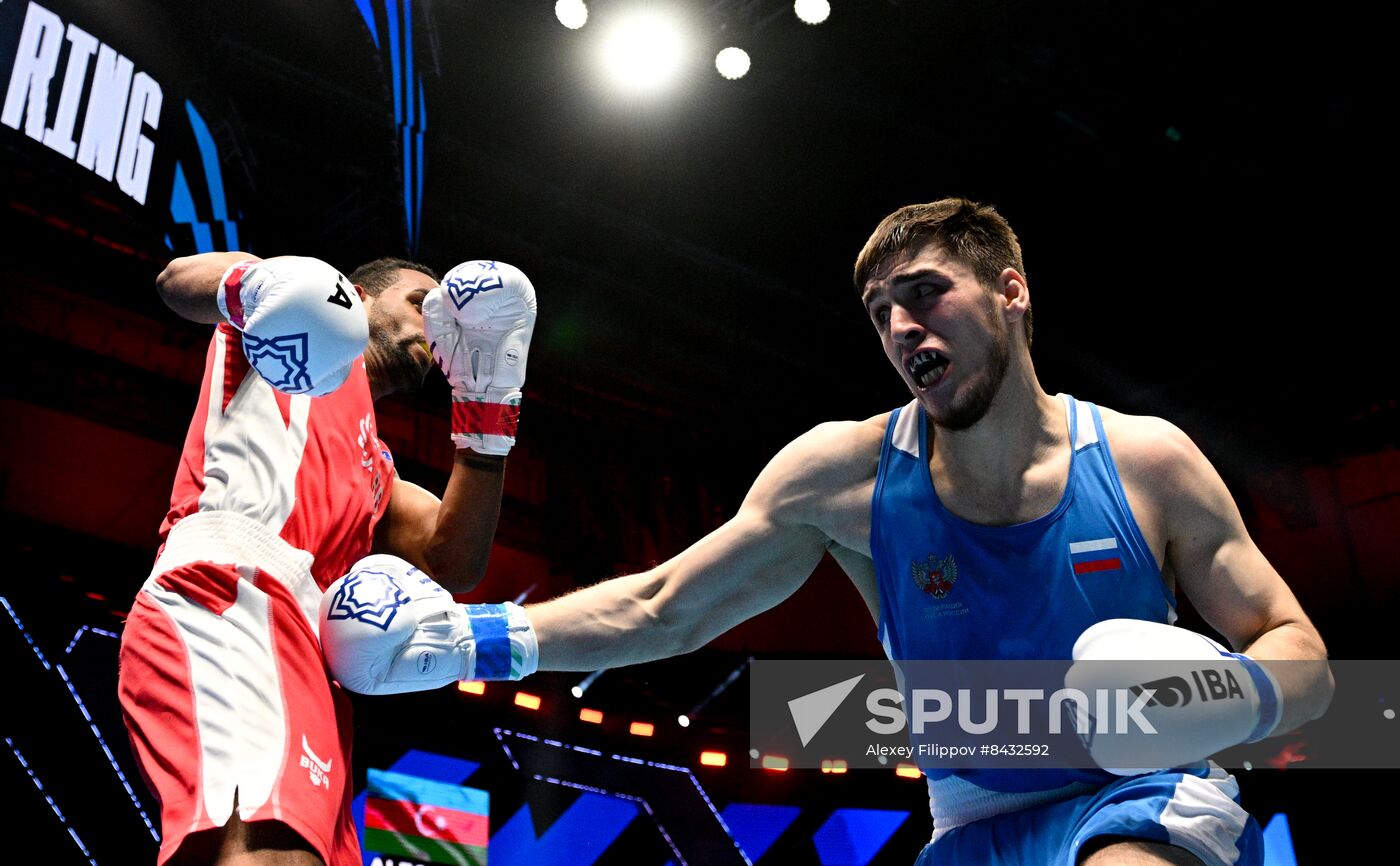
x: 1200, y: 189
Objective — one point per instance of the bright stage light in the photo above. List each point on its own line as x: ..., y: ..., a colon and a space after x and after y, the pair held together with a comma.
x: 732, y: 63
x: 582, y: 685
x: 812, y: 11
x: 644, y: 52
x: 573, y: 14
x: 683, y: 720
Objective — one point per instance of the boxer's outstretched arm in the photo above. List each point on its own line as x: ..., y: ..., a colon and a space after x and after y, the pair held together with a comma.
x: 189, y: 285
x: 1229, y: 581
x: 748, y: 565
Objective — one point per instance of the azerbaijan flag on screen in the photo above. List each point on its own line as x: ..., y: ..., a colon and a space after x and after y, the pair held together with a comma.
x: 427, y: 821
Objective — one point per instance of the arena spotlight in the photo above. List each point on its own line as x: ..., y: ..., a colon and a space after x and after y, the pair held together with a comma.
x: 812, y: 11
x: 732, y: 63
x: 573, y: 14
x: 683, y: 720
x: 643, y: 52
x: 582, y: 685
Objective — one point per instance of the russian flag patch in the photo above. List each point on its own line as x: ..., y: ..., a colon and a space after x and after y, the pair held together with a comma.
x: 1099, y: 554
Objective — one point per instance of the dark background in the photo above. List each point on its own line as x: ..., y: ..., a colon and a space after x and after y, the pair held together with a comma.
x: 1202, y: 194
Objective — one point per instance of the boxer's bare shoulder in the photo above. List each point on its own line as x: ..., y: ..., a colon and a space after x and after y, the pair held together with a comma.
x: 825, y: 479
x: 1157, y: 464
x: 1147, y: 445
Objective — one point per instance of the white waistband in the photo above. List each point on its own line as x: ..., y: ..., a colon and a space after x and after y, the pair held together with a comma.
x: 231, y: 538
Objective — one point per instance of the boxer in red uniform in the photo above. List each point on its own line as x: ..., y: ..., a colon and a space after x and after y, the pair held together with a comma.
x: 282, y: 485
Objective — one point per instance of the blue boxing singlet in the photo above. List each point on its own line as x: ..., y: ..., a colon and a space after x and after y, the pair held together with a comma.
x: 952, y: 589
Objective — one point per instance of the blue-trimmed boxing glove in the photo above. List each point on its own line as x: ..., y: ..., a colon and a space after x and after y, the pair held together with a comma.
x: 388, y: 628
x: 1197, y: 696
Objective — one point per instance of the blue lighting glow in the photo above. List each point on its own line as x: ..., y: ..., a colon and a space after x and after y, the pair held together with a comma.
x: 182, y: 204
x: 852, y: 837
x: 410, y: 110
x: 52, y: 805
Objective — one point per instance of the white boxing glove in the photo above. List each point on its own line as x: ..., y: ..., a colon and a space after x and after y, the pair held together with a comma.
x: 387, y: 628
x: 1195, y: 695
x: 479, y: 323
x: 303, y: 322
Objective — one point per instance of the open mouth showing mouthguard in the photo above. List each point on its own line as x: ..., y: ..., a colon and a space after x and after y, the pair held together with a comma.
x: 927, y: 367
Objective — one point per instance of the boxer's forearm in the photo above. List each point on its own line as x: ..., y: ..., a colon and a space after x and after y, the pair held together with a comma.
x: 748, y: 565
x: 189, y: 285
x: 1304, y: 677
x: 614, y: 623
x: 460, y: 546
x: 736, y: 572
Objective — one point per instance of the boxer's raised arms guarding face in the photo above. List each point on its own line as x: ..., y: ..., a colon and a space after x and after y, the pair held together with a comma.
x: 282, y: 486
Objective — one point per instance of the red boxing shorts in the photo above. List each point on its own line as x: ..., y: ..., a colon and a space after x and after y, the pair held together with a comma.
x: 225, y: 694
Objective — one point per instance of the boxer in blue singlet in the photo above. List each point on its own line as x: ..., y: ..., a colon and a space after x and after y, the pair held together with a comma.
x: 1071, y: 528
x: 1027, y: 591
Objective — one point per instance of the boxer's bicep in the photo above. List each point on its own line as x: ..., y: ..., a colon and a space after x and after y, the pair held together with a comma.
x: 744, y: 568
x: 766, y: 551
x: 1218, y: 566
x: 1237, y: 590
x: 751, y: 563
x: 408, y: 523
x: 741, y: 569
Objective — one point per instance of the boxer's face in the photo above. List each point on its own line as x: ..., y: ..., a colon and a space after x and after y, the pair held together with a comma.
x: 943, y: 332
x: 397, y: 358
